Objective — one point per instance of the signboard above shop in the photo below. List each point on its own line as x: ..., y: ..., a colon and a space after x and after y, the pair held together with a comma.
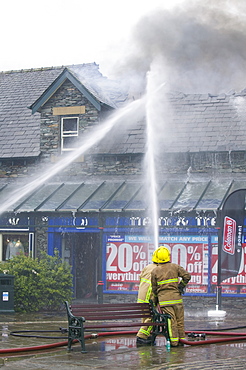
x: 168, y: 220
x: 15, y: 221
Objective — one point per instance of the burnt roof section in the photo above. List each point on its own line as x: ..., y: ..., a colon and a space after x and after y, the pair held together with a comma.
x: 192, y: 123
x: 19, y: 128
x: 207, y: 123
x: 90, y: 82
x: 110, y: 92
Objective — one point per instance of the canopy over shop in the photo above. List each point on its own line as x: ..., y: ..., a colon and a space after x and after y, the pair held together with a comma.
x: 111, y: 219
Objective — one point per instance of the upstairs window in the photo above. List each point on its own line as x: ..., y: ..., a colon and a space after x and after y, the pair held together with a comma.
x: 69, y: 133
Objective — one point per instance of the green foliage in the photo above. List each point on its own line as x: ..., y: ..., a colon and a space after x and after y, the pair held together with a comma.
x: 39, y: 284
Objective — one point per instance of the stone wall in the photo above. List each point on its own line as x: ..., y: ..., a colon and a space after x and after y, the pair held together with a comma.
x: 41, y: 235
x: 18, y: 168
x: 171, y: 163
x: 125, y: 164
x: 66, y: 96
x: 129, y: 165
x: 203, y: 162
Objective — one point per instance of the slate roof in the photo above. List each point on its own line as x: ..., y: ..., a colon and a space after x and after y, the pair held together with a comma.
x: 19, y: 128
x: 203, y: 122
x: 191, y: 123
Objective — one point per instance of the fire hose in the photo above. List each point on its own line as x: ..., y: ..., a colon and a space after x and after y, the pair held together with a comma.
x: 60, y: 344
x: 228, y: 337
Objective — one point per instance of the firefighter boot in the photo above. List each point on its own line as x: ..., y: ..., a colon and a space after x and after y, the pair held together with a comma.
x: 144, y: 342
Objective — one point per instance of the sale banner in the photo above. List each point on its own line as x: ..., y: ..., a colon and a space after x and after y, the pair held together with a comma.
x: 191, y: 252
x: 126, y: 256
x: 196, y: 288
x: 231, y: 289
x: 239, y: 279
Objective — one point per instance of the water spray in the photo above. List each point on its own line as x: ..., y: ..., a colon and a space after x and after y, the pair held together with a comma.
x: 150, y: 158
x: 88, y: 142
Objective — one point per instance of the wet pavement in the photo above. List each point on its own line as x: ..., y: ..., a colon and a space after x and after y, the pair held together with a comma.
x: 112, y: 352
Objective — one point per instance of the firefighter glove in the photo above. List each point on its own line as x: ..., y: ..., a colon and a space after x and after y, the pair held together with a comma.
x: 181, y: 288
x: 155, y: 301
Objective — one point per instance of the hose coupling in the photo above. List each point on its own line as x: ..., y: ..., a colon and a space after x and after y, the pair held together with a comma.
x: 196, y: 336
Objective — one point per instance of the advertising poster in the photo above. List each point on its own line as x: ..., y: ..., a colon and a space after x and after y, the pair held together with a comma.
x: 126, y: 256
x: 231, y: 221
x: 235, y: 284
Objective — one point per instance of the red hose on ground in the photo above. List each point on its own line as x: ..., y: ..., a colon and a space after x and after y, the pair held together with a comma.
x: 60, y: 344
x: 230, y: 337
x: 211, y: 341
x: 34, y: 348
x: 116, y: 333
x: 216, y: 333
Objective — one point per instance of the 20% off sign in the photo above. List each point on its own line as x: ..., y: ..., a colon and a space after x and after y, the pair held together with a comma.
x: 125, y: 257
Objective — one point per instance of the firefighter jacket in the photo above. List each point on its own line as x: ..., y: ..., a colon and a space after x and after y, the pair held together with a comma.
x: 145, y: 289
x: 165, y: 279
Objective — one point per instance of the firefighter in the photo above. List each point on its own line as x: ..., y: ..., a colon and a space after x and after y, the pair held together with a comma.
x: 144, y: 295
x: 168, y: 284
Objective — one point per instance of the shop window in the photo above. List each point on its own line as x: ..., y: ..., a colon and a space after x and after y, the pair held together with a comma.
x: 69, y: 133
x: 14, y: 244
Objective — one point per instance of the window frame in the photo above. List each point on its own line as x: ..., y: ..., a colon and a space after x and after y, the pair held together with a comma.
x: 65, y: 134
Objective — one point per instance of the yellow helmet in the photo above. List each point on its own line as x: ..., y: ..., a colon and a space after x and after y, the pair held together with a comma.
x: 161, y: 255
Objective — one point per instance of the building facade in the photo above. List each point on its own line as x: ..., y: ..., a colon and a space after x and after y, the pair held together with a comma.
x: 72, y: 181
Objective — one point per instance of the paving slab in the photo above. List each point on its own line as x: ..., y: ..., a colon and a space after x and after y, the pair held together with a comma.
x: 114, y: 352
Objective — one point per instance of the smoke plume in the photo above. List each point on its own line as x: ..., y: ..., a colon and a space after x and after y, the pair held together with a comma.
x: 199, y: 44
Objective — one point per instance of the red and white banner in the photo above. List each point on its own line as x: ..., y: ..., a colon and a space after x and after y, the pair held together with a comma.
x: 127, y: 256
x: 240, y: 279
x: 125, y: 261
x: 231, y: 222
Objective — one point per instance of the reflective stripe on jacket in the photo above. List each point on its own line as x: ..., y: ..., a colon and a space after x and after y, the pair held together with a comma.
x: 165, y: 278
x: 145, y: 289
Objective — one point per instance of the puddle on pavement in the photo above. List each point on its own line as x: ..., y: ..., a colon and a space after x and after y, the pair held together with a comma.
x: 123, y: 351
x: 31, y: 327
x: 114, y: 350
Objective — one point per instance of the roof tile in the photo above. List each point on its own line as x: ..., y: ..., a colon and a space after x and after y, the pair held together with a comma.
x: 196, y: 122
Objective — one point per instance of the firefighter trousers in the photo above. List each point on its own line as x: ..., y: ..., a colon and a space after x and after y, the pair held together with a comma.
x: 176, y: 324
x: 145, y: 331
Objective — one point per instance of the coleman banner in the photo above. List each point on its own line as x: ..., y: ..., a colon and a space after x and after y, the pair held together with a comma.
x: 230, y: 235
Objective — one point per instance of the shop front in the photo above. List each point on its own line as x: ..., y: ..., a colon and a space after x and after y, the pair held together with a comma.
x: 193, y: 242
x: 109, y: 251
x: 77, y: 239
x: 104, y: 230
x: 16, y: 236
